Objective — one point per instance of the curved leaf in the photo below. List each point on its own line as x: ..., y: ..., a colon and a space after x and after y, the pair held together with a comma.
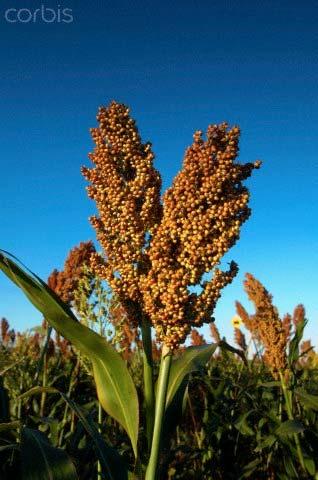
x: 225, y: 346
x: 293, y: 353
x: 115, y: 388
x: 40, y: 460
x: 112, y: 463
x: 242, y: 426
x: 190, y: 360
x: 290, y: 427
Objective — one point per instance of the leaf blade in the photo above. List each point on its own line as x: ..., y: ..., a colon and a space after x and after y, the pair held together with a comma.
x: 192, y: 359
x: 115, y: 388
x: 41, y: 460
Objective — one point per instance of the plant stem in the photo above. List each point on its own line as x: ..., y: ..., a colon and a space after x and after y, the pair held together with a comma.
x: 149, y: 394
x: 44, y: 384
x: 100, y: 421
x: 290, y: 415
x: 69, y: 393
x: 152, y: 469
x: 43, y: 365
x: 100, y: 410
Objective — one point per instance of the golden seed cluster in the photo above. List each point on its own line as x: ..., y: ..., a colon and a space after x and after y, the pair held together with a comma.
x: 155, y: 252
x: 307, y: 352
x: 299, y: 315
x: 202, y: 215
x: 269, y: 326
x: 128, y: 333
x: 65, y: 282
x: 249, y: 321
x: 214, y: 331
x: 126, y: 189
x: 286, y: 324
x: 196, y: 338
x: 239, y: 339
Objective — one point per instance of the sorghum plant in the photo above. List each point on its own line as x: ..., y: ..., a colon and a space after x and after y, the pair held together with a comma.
x: 161, y: 259
x: 274, y: 334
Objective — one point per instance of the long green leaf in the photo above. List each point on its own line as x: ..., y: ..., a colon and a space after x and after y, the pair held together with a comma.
x: 36, y: 391
x: 190, y: 360
x: 112, y: 463
x: 115, y: 388
x: 293, y: 354
x: 42, y: 461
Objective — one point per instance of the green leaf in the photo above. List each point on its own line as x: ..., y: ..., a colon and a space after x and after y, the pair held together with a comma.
x: 42, y: 461
x: 10, y: 446
x: 225, y: 346
x: 37, y: 390
x: 290, y: 467
x: 4, y: 427
x: 190, y: 360
x: 242, y: 426
x: 293, y: 354
x: 270, y: 384
x: 308, y: 400
x: 290, y: 427
x: 115, y: 388
x: 112, y: 463
x: 251, y: 467
x: 266, y: 443
x: 310, y: 466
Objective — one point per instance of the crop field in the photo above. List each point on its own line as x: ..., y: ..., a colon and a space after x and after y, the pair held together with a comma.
x: 119, y: 381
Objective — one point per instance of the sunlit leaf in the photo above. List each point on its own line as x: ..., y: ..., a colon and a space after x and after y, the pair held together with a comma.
x: 191, y: 359
x: 115, y: 388
x: 293, y: 354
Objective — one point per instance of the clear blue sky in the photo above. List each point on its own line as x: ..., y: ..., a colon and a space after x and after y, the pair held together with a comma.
x: 180, y: 66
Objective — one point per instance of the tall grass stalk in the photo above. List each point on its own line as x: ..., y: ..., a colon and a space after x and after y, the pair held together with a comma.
x: 149, y: 393
x: 288, y: 401
x: 152, y: 469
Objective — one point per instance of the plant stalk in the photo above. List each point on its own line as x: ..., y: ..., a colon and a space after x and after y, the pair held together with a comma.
x: 44, y: 384
x: 149, y: 393
x: 100, y: 421
x: 152, y: 469
x: 291, y: 417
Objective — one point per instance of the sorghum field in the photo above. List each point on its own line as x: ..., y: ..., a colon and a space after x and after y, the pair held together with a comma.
x: 118, y: 382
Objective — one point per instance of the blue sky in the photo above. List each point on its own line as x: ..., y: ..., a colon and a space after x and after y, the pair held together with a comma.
x: 179, y: 66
